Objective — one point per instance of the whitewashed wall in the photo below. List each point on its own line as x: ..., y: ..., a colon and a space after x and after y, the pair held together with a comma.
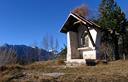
x: 94, y: 36
x: 74, y: 42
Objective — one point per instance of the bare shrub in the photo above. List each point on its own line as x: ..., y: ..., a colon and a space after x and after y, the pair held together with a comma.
x: 59, y: 62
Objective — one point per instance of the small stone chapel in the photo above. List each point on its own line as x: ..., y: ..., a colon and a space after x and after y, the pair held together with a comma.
x: 83, y: 38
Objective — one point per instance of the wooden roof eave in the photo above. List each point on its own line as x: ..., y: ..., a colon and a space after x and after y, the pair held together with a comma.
x: 62, y: 27
x: 80, y: 19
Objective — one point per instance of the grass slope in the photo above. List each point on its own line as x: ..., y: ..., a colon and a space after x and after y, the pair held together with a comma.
x: 116, y: 71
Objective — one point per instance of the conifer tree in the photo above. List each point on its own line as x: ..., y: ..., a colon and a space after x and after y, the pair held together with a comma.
x: 113, y: 19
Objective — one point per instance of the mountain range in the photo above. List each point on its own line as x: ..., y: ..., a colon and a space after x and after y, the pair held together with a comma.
x: 23, y: 54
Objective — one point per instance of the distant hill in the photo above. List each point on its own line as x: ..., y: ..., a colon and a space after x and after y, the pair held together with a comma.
x: 23, y: 54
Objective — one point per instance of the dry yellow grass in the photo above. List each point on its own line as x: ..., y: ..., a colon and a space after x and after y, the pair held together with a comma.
x: 116, y: 71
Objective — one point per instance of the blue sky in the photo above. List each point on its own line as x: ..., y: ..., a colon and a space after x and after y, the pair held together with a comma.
x: 28, y: 21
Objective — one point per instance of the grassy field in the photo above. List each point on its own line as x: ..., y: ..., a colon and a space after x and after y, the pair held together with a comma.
x: 53, y: 71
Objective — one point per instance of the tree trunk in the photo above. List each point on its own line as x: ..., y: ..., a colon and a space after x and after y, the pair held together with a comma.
x: 116, y: 47
x: 123, y: 47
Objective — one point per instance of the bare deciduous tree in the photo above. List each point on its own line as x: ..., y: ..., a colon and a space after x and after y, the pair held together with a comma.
x: 51, y: 43
x: 56, y: 45
x: 46, y: 42
x: 82, y: 10
x: 7, y: 56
